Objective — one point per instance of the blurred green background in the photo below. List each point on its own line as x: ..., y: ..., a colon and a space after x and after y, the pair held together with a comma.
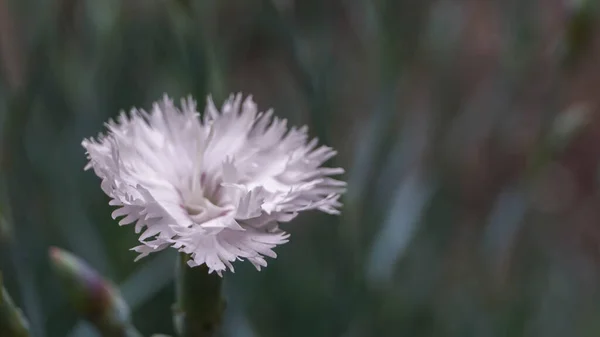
x: 469, y: 130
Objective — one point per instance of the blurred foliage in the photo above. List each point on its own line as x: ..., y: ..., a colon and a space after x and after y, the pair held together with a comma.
x: 469, y: 130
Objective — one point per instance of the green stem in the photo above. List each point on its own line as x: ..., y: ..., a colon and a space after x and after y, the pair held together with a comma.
x: 199, y: 308
x: 12, y: 322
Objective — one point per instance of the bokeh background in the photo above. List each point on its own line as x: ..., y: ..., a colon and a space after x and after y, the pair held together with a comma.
x: 469, y: 130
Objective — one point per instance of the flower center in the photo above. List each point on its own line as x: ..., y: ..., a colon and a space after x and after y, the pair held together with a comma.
x: 203, y: 202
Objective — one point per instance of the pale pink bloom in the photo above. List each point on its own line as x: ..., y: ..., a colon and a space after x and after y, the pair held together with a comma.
x: 214, y: 187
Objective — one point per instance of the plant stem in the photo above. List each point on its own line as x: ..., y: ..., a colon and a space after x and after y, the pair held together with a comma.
x: 199, y: 308
x: 12, y: 322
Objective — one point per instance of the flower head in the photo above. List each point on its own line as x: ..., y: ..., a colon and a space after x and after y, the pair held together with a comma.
x: 214, y: 187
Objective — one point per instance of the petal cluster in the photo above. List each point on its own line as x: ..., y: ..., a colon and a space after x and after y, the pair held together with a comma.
x: 213, y: 186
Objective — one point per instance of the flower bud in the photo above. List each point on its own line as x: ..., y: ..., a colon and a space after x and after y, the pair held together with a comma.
x: 92, y: 296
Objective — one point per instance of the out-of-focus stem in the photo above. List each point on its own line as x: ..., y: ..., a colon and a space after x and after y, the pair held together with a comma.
x: 11, y: 59
x: 12, y: 322
x: 199, y: 308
